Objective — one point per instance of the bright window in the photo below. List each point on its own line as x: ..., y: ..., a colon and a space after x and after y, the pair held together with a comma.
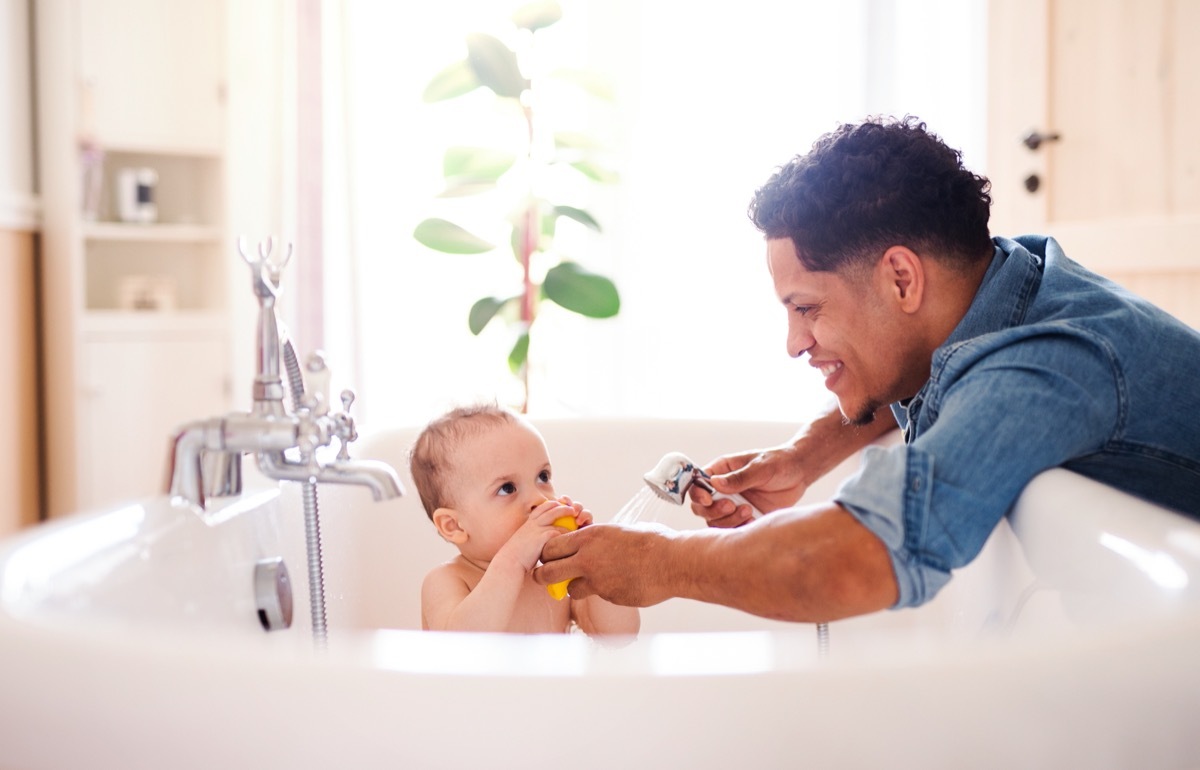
x: 710, y: 99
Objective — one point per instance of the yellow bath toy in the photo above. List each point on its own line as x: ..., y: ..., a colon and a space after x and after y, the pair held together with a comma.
x: 559, y: 590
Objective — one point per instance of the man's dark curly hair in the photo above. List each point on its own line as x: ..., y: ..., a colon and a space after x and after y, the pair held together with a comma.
x: 865, y: 187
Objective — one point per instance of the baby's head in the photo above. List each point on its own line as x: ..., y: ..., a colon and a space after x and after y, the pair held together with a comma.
x: 479, y: 471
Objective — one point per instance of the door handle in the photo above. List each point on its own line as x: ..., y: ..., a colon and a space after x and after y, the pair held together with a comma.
x: 1034, y: 139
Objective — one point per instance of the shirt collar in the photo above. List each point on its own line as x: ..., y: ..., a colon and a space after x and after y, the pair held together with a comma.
x: 1006, y: 291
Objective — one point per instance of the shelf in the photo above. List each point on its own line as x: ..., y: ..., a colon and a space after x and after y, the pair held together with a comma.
x: 133, y: 148
x: 98, y: 323
x: 151, y: 233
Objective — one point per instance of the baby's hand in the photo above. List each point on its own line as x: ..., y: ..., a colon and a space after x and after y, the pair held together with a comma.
x: 525, y: 546
x: 583, y: 516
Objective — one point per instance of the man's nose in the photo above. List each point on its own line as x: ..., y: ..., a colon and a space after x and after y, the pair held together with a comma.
x: 799, y: 339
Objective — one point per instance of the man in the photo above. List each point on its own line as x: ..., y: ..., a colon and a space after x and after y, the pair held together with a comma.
x: 999, y: 359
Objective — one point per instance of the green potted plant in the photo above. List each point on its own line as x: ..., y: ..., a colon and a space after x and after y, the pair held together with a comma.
x: 533, y: 214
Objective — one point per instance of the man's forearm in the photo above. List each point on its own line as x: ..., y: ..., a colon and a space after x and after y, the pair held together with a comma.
x: 827, y: 440
x: 811, y: 564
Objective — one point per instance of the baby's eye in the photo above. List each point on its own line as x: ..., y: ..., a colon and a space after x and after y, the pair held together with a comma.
x: 544, y: 477
x: 507, y: 488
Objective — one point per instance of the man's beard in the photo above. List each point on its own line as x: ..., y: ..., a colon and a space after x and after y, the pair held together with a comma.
x: 864, y: 417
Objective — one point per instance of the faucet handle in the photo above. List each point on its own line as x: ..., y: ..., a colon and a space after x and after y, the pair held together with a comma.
x: 317, y: 390
x: 344, y: 426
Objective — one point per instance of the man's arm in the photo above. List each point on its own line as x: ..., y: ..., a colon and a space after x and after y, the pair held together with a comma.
x: 811, y: 564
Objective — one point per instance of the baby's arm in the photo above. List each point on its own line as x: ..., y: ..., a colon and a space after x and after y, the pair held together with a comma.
x: 447, y: 604
x: 597, y: 617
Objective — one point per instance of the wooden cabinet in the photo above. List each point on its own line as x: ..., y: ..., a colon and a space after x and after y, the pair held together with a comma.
x: 127, y: 372
x: 134, y: 312
x: 152, y: 72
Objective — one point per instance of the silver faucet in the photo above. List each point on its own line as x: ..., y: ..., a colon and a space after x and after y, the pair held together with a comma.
x: 205, y: 457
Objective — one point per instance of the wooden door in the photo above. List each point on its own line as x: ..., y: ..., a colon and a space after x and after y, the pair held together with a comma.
x: 1113, y: 89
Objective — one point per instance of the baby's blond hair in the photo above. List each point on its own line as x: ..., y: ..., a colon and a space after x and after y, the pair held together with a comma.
x: 430, y: 459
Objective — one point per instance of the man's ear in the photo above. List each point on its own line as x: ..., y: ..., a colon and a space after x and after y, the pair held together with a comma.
x: 448, y: 526
x: 904, y: 272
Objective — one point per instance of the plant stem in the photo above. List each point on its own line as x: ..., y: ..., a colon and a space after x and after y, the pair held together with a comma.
x: 529, y: 240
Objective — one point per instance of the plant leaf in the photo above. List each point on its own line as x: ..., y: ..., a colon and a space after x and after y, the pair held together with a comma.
x: 579, y: 215
x: 460, y: 188
x: 483, y: 311
x: 594, y: 172
x: 519, y: 353
x: 476, y: 163
x: 549, y: 224
x: 495, y: 64
x: 442, y: 235
x: 453, y: 81
x: 574, y: 140
x: 580, y: 291
x: 535, y: 16
x: 592, y: 82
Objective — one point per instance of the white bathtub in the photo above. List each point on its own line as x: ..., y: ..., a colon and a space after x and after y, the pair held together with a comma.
x: 129, y: 639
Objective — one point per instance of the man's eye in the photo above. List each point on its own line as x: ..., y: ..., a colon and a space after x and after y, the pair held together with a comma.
x: 803, y: 309
x: 507, y: 488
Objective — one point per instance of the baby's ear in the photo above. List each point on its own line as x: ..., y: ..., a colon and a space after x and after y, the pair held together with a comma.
x: 446, y: 521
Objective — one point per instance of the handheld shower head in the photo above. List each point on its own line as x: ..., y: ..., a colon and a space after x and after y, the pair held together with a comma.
x: 673, y: 477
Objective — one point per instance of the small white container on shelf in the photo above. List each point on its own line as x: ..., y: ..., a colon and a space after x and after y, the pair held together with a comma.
x: 135, y: 195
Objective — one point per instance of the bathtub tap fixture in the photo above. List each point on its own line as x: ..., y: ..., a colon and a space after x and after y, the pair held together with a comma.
x: 205, y: 458
x: 206, y: 455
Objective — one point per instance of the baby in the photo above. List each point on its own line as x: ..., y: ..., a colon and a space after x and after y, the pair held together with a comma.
x: 483, y: 475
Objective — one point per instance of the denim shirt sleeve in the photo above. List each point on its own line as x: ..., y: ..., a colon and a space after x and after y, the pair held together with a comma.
x: 886, y: 491
x: 996, y: 413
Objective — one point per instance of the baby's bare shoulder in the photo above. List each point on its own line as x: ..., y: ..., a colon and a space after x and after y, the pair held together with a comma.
x: 456, y: 571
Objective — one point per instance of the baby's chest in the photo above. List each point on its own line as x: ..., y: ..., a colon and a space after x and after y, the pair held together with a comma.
x: 536, y: 612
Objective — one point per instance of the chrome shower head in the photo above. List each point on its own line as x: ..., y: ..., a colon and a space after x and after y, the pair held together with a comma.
x: 674, y: 476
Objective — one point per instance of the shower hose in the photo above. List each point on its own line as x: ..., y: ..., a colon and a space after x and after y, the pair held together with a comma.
x: 312, y: 520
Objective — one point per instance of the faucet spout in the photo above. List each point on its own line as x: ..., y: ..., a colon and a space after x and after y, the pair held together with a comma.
x: 184, y: 468
x: 379, y: 477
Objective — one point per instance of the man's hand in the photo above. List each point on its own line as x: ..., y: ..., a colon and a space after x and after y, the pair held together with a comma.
x: 775, y: 478
x: 614, y: 562
x: 769, y: 479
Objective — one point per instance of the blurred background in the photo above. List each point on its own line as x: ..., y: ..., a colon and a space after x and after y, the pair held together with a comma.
x: 140, y: 139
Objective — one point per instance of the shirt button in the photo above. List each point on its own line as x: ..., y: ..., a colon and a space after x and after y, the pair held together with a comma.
x: 916, y: 484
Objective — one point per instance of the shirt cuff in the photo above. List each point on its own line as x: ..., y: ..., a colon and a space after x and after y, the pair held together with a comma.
x: 884, y: 494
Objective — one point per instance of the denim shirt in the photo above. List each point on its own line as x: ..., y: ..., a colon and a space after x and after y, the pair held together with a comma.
x: 1052, y: 365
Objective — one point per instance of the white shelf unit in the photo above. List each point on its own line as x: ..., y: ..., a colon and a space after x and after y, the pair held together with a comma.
x: 135, y: 334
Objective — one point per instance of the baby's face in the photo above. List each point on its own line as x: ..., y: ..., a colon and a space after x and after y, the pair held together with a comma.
x: 500, y: 476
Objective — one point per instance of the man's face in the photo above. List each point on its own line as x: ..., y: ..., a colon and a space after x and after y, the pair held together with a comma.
x: 851, y: 330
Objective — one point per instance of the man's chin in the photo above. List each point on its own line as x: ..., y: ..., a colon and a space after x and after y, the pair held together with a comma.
x: 863, y: 415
